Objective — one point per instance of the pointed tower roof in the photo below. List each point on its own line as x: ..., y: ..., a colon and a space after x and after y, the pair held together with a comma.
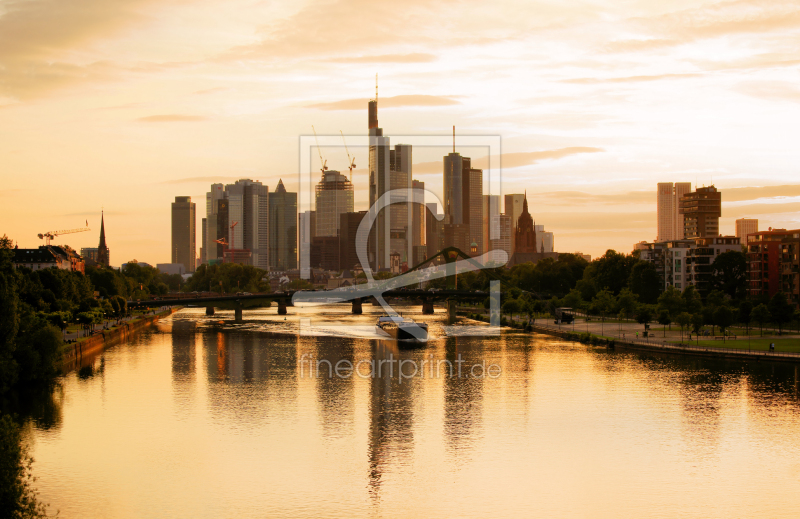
x: 102, y: 231
x: 280, y: 187
x: 525, y: 203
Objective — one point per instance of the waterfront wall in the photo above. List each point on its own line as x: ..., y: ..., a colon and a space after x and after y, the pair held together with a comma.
x: 81, y: 351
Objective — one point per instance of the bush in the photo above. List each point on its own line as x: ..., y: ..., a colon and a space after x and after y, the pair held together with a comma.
x: 17, y: 496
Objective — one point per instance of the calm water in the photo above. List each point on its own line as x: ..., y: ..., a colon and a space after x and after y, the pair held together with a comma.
x: 196, y: 418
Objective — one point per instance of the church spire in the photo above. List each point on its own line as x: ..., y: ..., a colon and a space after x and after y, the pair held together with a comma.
x: 102, y: 231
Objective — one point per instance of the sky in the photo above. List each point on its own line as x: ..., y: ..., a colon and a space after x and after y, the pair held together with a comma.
x: 122, y: 105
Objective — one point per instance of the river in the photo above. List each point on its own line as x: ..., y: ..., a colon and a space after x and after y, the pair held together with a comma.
x: 199, y: 417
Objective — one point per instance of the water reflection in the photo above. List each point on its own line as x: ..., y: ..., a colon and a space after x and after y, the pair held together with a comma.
x: 463, y: 394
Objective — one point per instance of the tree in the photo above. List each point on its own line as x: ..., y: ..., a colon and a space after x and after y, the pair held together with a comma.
x: 511, y: 306
x: 729, y: 272
x: 17, y: 497
x: 761, y: 315
x: 671, y: 302
x: 610, y: 271
x: 644, y: 314
x: 645, y: 282
x: 604, y: 303
x: 683, y: 320
x: 573, y: 299
x: 692, y: 303
x: 723, y: 317
x: 781, y: 310
x: 626, y: 301
x: 664, y: 319
x: 697, y: 323
x: 745, y: 314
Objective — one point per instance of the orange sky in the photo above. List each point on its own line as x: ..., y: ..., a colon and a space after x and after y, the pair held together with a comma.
x: 127, y: 104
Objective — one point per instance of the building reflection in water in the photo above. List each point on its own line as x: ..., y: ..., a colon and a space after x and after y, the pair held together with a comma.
x: 184, y: 355
x: 335, y: 395
x: 391, y: 413
x: 463, y: 396
x: 247, y: 371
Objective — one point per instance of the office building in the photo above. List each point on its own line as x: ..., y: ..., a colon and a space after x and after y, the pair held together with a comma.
x: 502, y: 223
x: 770, y: 256
x: 325, y: 252
x: 282, y: 229
x: 184, y: 248
x: 491, y: 209
x: 434, y: 230
x: 348, y: 246
x: 472, y: 180
x: 333, y: 197
x: 237, y: 220
x: 379, y: 184
x: 544, y: 240
x: 670, y: 220
x: 417, y: 209
x: 701, y: 210
x: 453, y: 170
x: 745, y: 226
x: 212, y: 249
x: 400, y: 213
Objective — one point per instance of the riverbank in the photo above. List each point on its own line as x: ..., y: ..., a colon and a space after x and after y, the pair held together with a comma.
x: 568, y: 332
x: 76, y: 354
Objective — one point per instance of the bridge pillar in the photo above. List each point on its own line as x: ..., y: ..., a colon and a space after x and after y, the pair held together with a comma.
x: 357, y: 306
x: 374, y: 301
x: 237, y: 314
x: 209, y: 310
x: 451, y: 311
x: 427, y: 307
x: 282, y: 308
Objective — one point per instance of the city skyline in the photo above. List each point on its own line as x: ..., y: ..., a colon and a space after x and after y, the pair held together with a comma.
x: 595, y: 106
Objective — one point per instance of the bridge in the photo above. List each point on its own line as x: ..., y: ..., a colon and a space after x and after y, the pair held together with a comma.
x: 373, y: 290
x: 357, y: 296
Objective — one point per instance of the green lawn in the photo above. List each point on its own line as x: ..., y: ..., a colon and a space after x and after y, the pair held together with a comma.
x: 781, y: 345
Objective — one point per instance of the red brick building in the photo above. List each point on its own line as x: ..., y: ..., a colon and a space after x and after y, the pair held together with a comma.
x: 765, y: 255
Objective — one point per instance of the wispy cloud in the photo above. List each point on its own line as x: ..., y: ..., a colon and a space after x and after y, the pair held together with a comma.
x: 629, y: 79
x: 201, y: 180
x: 770, y: 90
x: 171, y: 118
x: 388, y: 102
x: 509, y: 160
x: 210, y: 91
x: 415, y: 57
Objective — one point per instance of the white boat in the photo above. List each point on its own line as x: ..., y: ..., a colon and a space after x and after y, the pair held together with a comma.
x: 402, y: 329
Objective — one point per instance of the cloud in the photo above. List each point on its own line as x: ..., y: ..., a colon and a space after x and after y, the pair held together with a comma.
x: 416, y: 57
x: 210, y: 91
x: 739, y: 194
x: 629, y: 79
x: 202, y: 180
x: 171, y: 118
x: 509, y: 160
x: 770, y: 90
x: 388, y: 102
x: 741, y: 211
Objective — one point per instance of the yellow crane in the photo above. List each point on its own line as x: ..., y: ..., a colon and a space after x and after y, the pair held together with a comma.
x: 50, y: 235
x: 323, y: 163
x: 352, y: 160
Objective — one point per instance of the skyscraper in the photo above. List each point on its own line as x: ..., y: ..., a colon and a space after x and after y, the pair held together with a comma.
x: 745, y: 226
x: 453, y: 170
x: 417, y: 214
x: 400, y: 212
x: 473, y: 204
x: 333, y: 197
x: 491, y: 208
x: 184, y: 248
x: 245, y: 203
x: 701, y: 210
x: 379, y: 182
x: 282, y: 229
x: 670, y: 220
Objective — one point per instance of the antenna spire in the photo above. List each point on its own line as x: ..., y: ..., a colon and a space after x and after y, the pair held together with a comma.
x: 376, y: 88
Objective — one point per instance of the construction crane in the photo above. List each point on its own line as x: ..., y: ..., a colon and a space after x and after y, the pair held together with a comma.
x: 352, y: 160
x: 51, y: 235
x: 323, y: 163
x: 224, y: 244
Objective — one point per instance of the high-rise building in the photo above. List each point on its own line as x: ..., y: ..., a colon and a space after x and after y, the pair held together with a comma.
x: 769, y: 256
x: 670, y: 219
x: 103, y: 253
x: 238, y: 213
x: 434, y: 229
x: 203, y: 240
x: 400, y: 213
x: 283, y: 229
x: 701, y: 210
x: 473, y: 205
x: 544, y: 239
x: 504, y: 237
x: 491, y: 209
x: 184, y: 247
x: 379, y: 184
x: 348, y: 248
x: 745, y: 226
x: 453, y: 170
x: 513, y: 208
x: 333, y: 197
x: 417, y: 216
